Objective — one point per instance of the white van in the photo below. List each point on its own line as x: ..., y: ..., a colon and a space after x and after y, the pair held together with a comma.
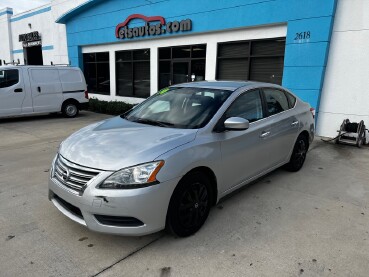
x: 29, y: 90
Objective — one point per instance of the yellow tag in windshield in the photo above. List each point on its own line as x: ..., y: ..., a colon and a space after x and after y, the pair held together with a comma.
x: 164, y: 90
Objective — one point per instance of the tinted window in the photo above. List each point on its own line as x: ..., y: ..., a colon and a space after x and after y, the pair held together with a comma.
x: 186, y: 108
x: 97, y: 72
x: 133, y: 73
x: 292, y: 99
x: 9, y: 78
x: 247, y: 106
x: 276, y: 101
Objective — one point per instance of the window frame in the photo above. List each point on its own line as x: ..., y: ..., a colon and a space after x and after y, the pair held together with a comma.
x: 250, y: 55
x: 189, y: 59
x: 11, y: 69
x: 219, y: 126
x: 132, y: 62
x: 95, y: 62
x: 285, y: 94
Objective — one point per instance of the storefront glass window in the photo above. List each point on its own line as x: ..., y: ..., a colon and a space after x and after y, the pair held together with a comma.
x: 181, y: 64
x: 97, y: 72
x: 133, y: 73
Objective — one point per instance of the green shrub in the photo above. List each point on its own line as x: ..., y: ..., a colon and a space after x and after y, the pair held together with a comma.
x: 109, y: 107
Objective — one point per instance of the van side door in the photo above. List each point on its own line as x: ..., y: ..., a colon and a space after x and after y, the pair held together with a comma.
x: 12, y: 92
x: 46, y: 89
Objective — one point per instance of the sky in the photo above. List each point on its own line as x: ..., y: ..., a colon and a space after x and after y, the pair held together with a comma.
x: 22, y: 5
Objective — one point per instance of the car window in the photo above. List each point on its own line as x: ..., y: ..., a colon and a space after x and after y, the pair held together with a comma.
x: 185, y: 108
x: 247, y: 106
x: 292, y: 99
x: 9, y: 78
x: 276, y: 101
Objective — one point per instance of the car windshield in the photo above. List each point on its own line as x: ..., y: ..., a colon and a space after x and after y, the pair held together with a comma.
x: 185, y: 108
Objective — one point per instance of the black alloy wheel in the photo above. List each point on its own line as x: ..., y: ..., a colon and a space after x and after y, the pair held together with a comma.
x: 299, y: 153
x: 190, y: 205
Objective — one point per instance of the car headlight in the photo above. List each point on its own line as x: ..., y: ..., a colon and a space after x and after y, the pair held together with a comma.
x: 133, y: 177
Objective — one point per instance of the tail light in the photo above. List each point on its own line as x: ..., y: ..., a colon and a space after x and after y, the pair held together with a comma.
x: 312, y: 110
x: 86, y: 94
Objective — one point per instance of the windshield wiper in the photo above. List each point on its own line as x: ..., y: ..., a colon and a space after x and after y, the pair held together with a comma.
x: 153, y: 122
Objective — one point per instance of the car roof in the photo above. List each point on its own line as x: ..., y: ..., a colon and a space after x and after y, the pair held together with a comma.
x: 224, y: 85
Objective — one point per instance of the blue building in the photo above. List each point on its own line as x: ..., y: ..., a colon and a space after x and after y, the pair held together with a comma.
x: 133, y: 48
x: 129, y: 49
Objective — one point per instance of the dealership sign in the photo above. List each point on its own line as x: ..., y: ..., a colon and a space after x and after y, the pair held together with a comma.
x: 154, y: 26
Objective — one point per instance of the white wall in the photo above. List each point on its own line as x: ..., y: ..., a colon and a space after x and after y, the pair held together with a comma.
x: 53, y: 34
x: 5, y: 41
x: 345, y: 91
x: 211, y: 39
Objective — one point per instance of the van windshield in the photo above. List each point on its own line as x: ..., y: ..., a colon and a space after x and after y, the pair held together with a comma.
x: 185, y: 108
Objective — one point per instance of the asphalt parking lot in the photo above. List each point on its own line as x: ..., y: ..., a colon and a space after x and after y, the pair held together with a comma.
x: 311, y: 223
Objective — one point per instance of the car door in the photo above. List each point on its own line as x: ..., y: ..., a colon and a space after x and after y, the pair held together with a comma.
x: 12, y: 93
x: 285, y: 125
x: 46, y: 89
x: 245, y: 154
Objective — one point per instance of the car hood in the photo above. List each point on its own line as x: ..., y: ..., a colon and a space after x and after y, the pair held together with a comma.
x: 117, y: 143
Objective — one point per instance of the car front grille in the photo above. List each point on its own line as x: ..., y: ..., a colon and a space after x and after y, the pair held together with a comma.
x: 73, y: 209
x: 74, y: 177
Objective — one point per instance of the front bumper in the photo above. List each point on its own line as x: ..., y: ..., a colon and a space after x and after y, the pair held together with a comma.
x: 148, y: 205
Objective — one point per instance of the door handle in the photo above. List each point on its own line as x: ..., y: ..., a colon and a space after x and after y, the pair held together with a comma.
x: 264, y: 134
x: 18, y: 90
x: 39, y: 89
x: 293, y: 124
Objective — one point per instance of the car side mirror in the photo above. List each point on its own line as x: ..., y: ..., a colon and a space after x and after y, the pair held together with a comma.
x: 236, y: 124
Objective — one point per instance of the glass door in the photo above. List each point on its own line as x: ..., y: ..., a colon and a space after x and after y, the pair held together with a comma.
x: 181, y: 72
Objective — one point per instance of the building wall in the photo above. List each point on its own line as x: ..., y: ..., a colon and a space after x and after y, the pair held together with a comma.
x: 305, y: 59
x: 345, y: 91
x: 6, y: 35
x: 42, y: 19
x: 211, y: 39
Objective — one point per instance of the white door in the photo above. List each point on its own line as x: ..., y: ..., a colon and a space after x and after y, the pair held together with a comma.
x: 46, y: 89
x: 11, y: 92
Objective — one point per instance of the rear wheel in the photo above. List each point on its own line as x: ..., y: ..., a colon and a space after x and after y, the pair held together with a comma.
x: 190, y: 205
x: 70, y: 110
x: 298, y: 156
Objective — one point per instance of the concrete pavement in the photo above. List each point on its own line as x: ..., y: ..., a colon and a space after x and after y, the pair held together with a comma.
x: 311, y: 223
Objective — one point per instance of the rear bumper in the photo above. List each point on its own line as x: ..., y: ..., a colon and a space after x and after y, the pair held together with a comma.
x: 146, y: 205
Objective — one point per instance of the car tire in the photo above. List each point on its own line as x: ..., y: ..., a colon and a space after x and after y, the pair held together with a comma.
x: 189, y: 205
x: 70, y: 110
x: 298, y: 156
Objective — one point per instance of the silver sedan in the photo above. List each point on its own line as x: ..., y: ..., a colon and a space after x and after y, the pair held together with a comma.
x: 168, y: 160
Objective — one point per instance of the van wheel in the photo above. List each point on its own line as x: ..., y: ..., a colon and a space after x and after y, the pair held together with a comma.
x: 298, y: 156
x: 70, y: 110
x: 190, y: 205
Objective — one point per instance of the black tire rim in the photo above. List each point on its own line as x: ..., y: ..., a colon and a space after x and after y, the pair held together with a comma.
x: 300, y: 153
x: 193, y: 205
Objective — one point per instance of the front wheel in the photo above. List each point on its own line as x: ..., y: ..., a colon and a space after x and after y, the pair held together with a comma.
x: 70, y: 110
x: 190, y: 205
x: 298, y: 156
